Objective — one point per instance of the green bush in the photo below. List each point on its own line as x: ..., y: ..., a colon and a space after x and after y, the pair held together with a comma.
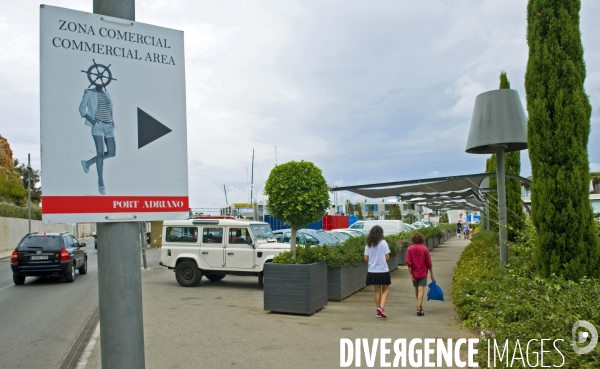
x: 304, y: 255
x: 513, y: 303
x: 350, y: 252
x: 13, y: 211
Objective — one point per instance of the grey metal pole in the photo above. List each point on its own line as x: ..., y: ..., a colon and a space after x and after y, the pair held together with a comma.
x: 116, y: 8
x: 119, y: 267
x: 502, y: 222
x: 487, y: 214
x: 29, y: 190
x: 143, y: 243
x: 120, y: 296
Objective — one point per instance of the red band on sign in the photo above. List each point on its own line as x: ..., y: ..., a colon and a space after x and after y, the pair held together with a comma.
x: 113, y: 204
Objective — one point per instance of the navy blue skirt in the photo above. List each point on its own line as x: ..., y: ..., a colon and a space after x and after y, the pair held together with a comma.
x: 379, y: 278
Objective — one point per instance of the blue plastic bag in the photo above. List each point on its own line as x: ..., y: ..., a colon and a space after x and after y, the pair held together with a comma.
x: 435, y: 292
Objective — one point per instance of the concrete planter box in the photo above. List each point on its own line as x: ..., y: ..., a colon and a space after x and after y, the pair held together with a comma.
x: 393, y: 262
x: 429, y: 243
x: 402, y: 256
x: 436, y: 242
x: 295, y: 288
x: 343, y: 281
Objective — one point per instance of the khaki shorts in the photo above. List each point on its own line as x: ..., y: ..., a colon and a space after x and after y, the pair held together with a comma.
x: 420, y: 282
x: 103, y: 129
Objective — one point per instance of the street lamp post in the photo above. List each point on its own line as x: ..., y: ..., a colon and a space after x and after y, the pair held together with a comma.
x: 498, y: 125
x: 29, y: 190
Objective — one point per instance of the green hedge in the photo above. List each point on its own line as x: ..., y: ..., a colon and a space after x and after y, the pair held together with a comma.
x: 512, y: 303
x: 351, y: 251
x: 13, y: 211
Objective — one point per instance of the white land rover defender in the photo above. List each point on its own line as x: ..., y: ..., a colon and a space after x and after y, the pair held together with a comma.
x: 216, y: 247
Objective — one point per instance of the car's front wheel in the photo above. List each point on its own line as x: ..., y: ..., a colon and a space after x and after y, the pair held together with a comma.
x: 18, y: 279
x: 188, y: 274
x: 215, y: 277
x: 70, y: 276
x: 83, y: 268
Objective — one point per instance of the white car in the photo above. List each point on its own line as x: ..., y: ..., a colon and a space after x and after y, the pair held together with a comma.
x: 355, y: 232
x: 409, y: 227
x: 388, y: 226
x: 420, y: 225
x: 214, y: 248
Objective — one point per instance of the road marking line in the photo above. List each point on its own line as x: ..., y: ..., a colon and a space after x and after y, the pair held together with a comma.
x: 83, y: 360
x: 10, y: 285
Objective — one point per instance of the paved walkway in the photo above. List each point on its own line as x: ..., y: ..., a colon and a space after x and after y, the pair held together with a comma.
x: 219, y: 325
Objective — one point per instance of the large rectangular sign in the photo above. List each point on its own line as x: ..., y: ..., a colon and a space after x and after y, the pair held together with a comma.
x: 113, y: 119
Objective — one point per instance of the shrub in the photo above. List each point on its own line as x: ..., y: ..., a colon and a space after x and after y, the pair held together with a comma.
x: 13, y: 211
x: 350, y: 252
x: 513, y: 303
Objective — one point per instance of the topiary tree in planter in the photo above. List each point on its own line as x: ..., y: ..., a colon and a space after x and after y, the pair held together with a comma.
x: 297, y: 194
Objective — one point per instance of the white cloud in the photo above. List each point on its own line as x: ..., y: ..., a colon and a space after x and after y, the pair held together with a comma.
x: 370, y: 92
x: 465, y: 90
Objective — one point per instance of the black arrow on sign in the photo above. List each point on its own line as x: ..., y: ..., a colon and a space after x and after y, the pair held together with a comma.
x: 149, y: 129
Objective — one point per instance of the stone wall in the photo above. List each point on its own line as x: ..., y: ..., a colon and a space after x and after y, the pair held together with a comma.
x: 12, y: 230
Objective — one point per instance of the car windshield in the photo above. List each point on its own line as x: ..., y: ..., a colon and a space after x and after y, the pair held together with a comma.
x: 329, y: 239
x: 342, y: 235
x: 262, y: 231
x: 43, y: 242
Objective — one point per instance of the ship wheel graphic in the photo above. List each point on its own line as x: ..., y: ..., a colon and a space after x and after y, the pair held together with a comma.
x: 99, y: 75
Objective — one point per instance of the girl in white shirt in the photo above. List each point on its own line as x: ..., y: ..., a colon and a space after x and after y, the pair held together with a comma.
x: 377, y: 253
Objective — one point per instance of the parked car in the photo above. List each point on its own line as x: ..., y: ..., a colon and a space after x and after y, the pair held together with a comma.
x: 388, y: 226
x: 409, y: 227
x: 355, y: 232
x: 48, y: 254
x: 343, y: 236
x: 213, y: 248
x: 307, y: 237
x: 419, y: 225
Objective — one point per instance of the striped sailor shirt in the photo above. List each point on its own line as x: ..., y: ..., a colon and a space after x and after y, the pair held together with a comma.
x: 103, y: 113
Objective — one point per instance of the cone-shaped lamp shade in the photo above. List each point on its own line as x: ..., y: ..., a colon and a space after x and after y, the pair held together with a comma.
x: 498, y: 122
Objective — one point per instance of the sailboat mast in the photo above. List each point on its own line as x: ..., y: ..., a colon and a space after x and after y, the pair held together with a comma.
x: 252, y: 178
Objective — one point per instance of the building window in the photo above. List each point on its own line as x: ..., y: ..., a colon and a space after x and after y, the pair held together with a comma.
x: 405, y: 207
x: 386, y: 207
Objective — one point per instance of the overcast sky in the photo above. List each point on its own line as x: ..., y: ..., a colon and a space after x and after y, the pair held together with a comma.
x: 370, y: 91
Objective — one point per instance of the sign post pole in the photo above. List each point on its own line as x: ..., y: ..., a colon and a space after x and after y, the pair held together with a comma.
x: 119, y: 267
x: 121, y: 109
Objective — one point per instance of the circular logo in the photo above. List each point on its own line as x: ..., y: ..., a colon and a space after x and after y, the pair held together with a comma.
x: 581, y: 337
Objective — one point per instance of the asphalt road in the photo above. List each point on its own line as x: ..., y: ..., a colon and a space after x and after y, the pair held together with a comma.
x: 41, y: 319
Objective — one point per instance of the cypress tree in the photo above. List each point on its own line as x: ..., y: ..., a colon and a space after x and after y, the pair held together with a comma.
x: 558, y: 131
x: 395, y: 213
x: 350, y: 208
x: 512, y: 165
x: 358, y: 208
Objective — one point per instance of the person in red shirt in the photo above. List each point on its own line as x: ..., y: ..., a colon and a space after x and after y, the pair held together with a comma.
x: 418, y: 261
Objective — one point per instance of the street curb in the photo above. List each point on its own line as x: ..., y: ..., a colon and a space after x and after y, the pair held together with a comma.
x: 71, y: 359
